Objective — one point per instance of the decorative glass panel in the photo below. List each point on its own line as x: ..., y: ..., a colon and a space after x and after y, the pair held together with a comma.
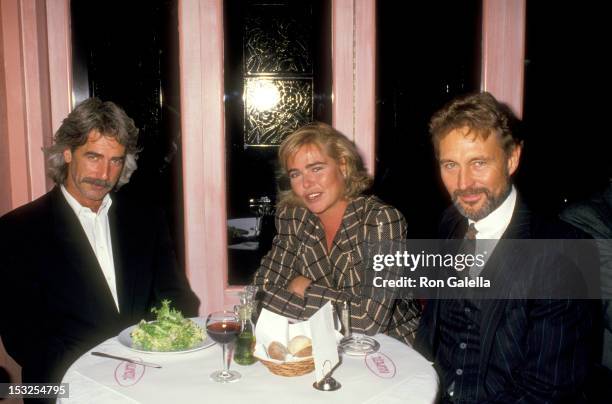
x: 274, y: 108
x: 277, y: 78
x: 275, y: 42
x: 278, y: 70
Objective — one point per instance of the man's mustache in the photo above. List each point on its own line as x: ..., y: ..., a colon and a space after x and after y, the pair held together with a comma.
x: 95, y: 181
x: 471, y: 191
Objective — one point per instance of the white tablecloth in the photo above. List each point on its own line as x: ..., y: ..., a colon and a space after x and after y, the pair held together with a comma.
x: 184, y: 379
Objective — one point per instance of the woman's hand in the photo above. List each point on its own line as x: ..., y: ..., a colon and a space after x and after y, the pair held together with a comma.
x: 298, y: 285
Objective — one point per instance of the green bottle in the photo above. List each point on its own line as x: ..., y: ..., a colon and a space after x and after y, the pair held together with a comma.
x: 245, y: 344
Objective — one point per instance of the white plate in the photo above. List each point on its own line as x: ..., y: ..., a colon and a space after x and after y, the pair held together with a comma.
x: 359, y: 345
x: 125, y: 339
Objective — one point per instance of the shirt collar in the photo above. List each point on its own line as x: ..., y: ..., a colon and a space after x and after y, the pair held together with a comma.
x: 350, y: 216
x: 495, y: 224
x: 80, y: 209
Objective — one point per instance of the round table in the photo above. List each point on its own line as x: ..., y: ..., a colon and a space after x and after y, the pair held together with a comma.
x: 183, y: 378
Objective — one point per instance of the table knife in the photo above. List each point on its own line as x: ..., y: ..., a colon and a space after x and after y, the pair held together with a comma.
x: 121, y: 358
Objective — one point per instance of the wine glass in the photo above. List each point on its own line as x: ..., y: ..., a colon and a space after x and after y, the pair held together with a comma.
x: 223, y: 327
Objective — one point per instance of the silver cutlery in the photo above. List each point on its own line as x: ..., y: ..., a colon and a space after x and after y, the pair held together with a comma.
x: 121, y: 358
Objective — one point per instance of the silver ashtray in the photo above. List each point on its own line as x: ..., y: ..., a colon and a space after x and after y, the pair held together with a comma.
x: 358, y: 345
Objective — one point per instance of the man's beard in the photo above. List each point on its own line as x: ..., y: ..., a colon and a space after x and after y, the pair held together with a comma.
x: 491, y: 202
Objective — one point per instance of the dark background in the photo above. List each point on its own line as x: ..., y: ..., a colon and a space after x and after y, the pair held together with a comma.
x: 428, y: 53
x: 567, y: 154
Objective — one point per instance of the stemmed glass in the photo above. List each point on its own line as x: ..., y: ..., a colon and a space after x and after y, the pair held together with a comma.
x: 223, y: 327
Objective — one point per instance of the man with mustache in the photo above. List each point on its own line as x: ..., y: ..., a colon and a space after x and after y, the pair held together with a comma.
x: 517, y: 350
x: 79, y: 265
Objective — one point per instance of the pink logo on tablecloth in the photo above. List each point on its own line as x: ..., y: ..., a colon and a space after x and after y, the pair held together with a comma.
x: 380, y: 364
x: 128, y: 374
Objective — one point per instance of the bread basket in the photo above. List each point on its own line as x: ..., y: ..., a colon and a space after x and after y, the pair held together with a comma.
x: 297, y: 367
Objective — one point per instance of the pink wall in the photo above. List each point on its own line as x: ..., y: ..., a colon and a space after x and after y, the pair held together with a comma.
x: 343, y: 56
x: 59, y: 46
x: 35, y: 91
x: 503, y: 51
x: 12, y: 49
x: 365, y: 81
x: 203, y: 132
x: 354, y: 74
x: 6, y: 196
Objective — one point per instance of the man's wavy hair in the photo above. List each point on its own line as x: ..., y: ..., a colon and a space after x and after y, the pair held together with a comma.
x: 482, y: 114
x: 93, y: 115
x: 335, y: 145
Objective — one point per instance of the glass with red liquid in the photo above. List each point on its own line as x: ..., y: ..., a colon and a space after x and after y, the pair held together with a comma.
x: 223, y: 327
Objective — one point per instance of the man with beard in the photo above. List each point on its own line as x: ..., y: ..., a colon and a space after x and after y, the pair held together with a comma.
x: 516, y: 350
x: 78, y: 265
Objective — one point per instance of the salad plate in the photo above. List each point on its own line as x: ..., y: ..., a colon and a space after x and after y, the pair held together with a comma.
x: 125, y: 339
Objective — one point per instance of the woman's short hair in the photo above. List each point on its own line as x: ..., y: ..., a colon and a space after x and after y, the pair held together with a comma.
x: 93, y: 115
x: 482, y: 114
x: 336, y: 146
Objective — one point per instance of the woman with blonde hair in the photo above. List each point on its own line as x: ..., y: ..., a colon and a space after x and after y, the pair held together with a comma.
x: 323, y: 223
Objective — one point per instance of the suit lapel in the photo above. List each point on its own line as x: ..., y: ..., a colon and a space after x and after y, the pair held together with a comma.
x: 350, y: 226
x: 454, y: 226
x: 345, y: 256
x: 80, y: 257
x: 318, y: 264
x: 501, y: 267
x: 520, y: 224
x: 315, y: 254
x: 432, y: 337
x: 492, y: 311
x: 125, y: 283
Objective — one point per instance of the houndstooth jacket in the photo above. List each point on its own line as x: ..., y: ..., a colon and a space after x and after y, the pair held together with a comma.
x: 299, y: 248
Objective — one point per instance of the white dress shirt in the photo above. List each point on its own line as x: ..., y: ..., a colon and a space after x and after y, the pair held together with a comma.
x: 495, y: 224
x: 97, y: 229
x: 491, y: 228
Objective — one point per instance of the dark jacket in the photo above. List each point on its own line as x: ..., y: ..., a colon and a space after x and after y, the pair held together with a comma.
x: 594, y: 216
x: 541, y: 349
x: 55, y: 301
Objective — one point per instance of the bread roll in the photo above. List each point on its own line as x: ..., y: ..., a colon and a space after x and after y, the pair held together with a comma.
x: 277, y: 351
x: 300, y: 346
x: 304, y: 353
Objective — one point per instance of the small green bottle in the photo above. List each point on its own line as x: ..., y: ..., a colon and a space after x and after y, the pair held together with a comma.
x: 245, y: 344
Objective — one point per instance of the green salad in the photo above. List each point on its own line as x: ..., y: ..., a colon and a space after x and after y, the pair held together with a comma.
x: 170, y: 332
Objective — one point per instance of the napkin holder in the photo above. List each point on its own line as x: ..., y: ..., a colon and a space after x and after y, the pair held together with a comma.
x: 328, y: 383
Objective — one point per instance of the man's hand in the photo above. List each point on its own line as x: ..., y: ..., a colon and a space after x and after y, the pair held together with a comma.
x: 298, y: 285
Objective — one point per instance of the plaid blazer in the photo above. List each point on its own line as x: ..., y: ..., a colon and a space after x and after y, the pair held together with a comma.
x: 299, y: 248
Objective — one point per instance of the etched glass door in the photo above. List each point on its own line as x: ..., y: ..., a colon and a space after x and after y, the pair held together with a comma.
x: 277, y: 78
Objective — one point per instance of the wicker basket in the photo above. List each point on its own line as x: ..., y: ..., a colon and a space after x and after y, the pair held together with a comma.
x: 290, y: 369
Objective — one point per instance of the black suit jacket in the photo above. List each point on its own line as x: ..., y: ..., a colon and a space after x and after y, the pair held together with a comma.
x: 56, y: 303
x: 541, y: 348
